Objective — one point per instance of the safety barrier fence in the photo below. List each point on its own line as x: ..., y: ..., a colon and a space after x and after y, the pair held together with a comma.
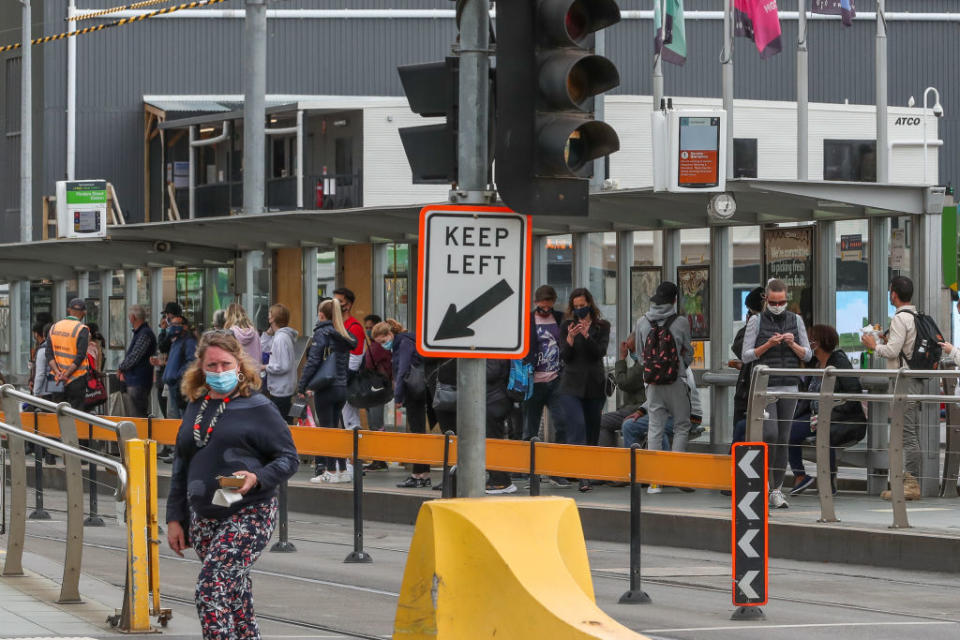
x: 136, y: 487
x: 828, y: 398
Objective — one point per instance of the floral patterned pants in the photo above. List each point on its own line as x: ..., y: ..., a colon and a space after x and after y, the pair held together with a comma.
x: 228, y: 549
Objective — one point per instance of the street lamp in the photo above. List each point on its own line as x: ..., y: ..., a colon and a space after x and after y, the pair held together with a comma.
x: 938, y: 113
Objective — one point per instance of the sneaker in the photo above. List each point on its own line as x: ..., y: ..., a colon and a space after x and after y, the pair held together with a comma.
x: 687, y: 489
x: 376, y: 465
x: 497, y: 489
x: 585, y: 486
x: 654, y: 488
x: 802, y: 483
x: 777, y: 501
x: 325, y: 478
x: 559, y: 482
x: 414, y: 483
x: 344, y: 477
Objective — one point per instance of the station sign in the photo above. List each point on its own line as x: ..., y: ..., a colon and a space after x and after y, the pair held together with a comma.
x: 750, y: 513
x: 82, y: 208
x: 473, y: 286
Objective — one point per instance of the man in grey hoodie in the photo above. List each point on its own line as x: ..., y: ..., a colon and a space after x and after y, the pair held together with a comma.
x: 281, y: 368
x: 667, y: 399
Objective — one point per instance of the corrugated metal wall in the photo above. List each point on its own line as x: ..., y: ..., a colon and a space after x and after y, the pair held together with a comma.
x: 358, y: 57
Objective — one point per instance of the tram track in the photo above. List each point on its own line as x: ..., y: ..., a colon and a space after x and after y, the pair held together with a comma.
x: 596, y: 573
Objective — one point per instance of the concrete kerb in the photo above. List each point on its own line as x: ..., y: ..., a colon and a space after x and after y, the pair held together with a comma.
x: 912, y: 549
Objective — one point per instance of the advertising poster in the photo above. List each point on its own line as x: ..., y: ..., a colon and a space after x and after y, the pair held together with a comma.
x: 788, y: 256
x: 694, y: 300
x: 643, y: 284
x: 699, y: 164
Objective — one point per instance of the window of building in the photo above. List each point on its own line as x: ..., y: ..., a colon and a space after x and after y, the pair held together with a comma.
x: 850, y: 160
x: 744, y: 157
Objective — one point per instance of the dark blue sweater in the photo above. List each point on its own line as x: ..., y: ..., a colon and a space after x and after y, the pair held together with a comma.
x: 251, y: 436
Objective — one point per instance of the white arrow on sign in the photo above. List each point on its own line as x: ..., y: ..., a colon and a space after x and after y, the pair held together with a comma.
x: 746, y: 463
x: 746, y: 543
x: 746, y: 582
x: 745, y: 503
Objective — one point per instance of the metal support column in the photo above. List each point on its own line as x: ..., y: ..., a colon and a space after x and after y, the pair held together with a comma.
x: 309, y: 310
x: 192, y: 173
x: 413, y: 271
x: 59, y: 299
x: 671, y: 253
x: 26, y: 127
x: 130, y: 297
x: 721, y: 334
x: 19, y: 327
x: 539, y: 260
x: 880, y: 73
x: 926, y: 269
x: 250, y: 263
x: 153, y: 315
x: 379, y: 272
x: 83, y: 287
x: 106, y: 288
x: 727, y: 80
x: 254, y: 112
x: 825, y: 291
x: 300, y: 159
x: 472, y: 157
x: 803, y: 94
x: 624, y: 262
x: 581, y: 260
x: 210, y: 295
x: 878, y: 435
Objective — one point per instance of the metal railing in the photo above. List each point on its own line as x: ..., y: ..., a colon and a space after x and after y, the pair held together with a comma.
x: 133, y: 487
x: 828, y: 398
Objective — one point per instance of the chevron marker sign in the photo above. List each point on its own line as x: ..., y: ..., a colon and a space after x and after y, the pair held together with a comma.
x: 749, y: 524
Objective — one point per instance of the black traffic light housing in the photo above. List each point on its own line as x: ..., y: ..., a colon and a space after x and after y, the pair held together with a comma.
x: 547, y: 76
x: 432, y: 90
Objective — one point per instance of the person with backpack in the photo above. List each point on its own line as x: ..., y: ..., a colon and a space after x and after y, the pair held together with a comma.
x: 777, y: 338
x: 913, y: 341
x: 584, y: 337
x: 666, y: 355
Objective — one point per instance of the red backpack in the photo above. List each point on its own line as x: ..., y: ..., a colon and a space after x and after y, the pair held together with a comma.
x: 661, y: 359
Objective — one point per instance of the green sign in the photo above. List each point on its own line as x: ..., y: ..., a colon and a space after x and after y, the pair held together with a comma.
x: 86, y: 192
x: 948, y: 236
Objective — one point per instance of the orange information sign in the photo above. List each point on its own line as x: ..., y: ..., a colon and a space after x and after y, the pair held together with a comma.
x: 698, y: 164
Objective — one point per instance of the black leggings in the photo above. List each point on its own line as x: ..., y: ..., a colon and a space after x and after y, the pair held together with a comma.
x: 329, y: 405
x: 417, y: 423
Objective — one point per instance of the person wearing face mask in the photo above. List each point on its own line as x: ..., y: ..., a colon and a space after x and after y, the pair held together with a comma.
x: 584, y: 336
x: 628, y: 374
x: 183, y: 347
x: 777, y: 338
x: 135, y: 371
x: 228, y: 429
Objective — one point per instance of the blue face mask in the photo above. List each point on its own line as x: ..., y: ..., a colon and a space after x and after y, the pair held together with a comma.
x: 175, y: 330
x: 388, y: 345
x: 223, y: 382
x: 635, y: 357
x: 582, y: 312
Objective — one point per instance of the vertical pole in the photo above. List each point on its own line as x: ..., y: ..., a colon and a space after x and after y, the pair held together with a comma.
x: 599, y: 165
x: 534, y: 476
x: 19, y: 326
x: 472, y: 158
x: 106, y: 289
x: 156, y: 306
x: 191, y: 173
x: 539, y: 261
x: 657, y: 77
x: 26, y: 126
x: 721, y: 337
x: 38, y: 513
x: 636, y: 594
x: 309, y: 310
x: 378, y: 305
x: 71, y: 93
x: 926, y: 270
x: 130, y: 282
x: 883, y: 148
x: 878, y: 261
x: 803, y: 93
x: 358, y: 555
x: 59, y: 299
x: 581, y: 260
x: 93, y: 519
x: 254, y: 112
x: 624, y: 262
x: 283, y: 545
x: 138, y: 579
x: 300, y: 159
x: 445, y: 484
x: 727, y: 79
x: 825, y: 291
x: 83, y: 286
x: 671, y: 253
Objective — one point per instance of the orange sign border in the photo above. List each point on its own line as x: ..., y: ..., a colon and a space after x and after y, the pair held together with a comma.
x: 766, y: 522
x: 422, y: 275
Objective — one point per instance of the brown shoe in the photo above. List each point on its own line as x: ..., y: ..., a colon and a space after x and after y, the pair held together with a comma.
x: 911, y: 488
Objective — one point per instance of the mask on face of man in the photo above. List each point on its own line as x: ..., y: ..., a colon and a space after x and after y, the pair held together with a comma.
x: 544, y: 311
x: 777, y: 309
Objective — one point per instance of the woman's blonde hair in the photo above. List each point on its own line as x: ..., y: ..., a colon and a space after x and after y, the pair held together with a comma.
x: 331, y: 311
x: 387, y: 326
x: 237, y: 317
x: 194, y: 385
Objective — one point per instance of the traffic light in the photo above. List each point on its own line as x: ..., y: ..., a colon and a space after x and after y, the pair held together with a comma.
x: 547, y: 75
x: 432, y: 90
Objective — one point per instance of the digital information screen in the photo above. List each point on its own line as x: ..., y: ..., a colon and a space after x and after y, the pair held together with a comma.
x: 698, y: 164
x: 86, y: 221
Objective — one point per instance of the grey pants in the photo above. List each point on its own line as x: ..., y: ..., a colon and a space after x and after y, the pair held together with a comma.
x: 776, y: 433
x: 666, y: 400
x: 610, y: 423
x: 911, y: 430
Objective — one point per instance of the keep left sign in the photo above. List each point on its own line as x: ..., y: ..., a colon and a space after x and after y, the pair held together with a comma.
x: 473, y: 289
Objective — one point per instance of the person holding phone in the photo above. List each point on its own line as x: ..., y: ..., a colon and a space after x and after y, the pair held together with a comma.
x: 230, y: 430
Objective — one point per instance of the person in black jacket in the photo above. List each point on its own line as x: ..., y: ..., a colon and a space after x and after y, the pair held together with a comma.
x: 228, y: 429
x: 848, y: 422
x: 584, y: 336
x: 330, y: 340
x: 544, y: 356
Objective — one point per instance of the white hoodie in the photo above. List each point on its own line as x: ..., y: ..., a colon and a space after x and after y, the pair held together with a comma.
x: 282, y: 367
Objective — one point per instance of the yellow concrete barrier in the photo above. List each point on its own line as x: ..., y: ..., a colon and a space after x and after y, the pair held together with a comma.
x: 500, y: 568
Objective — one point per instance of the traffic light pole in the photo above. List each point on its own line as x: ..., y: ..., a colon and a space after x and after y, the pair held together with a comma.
x: 472, y: 154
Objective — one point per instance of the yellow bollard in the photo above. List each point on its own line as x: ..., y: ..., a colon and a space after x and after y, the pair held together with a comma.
x: 501, y: 568
x: 138, y: 557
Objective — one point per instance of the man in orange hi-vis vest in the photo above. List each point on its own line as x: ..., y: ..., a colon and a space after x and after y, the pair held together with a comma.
x: 67, y: 358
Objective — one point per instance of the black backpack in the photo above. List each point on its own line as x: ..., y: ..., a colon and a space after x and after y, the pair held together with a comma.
x: 661, y: 359
x: 926, y: 348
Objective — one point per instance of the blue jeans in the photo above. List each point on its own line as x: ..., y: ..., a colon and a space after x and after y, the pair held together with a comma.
x: 545, y: 394
x: 582, y: 418
x: 740, y: 431
x: 799, y: 431
x: 635, y: 430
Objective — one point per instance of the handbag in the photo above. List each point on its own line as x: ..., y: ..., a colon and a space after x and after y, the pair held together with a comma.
x: 368, y: 388
x: 445, y: 397
x: 609, y: 385
x: 326, y: 374
x: 416, y: 382
x: 96, y: 392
